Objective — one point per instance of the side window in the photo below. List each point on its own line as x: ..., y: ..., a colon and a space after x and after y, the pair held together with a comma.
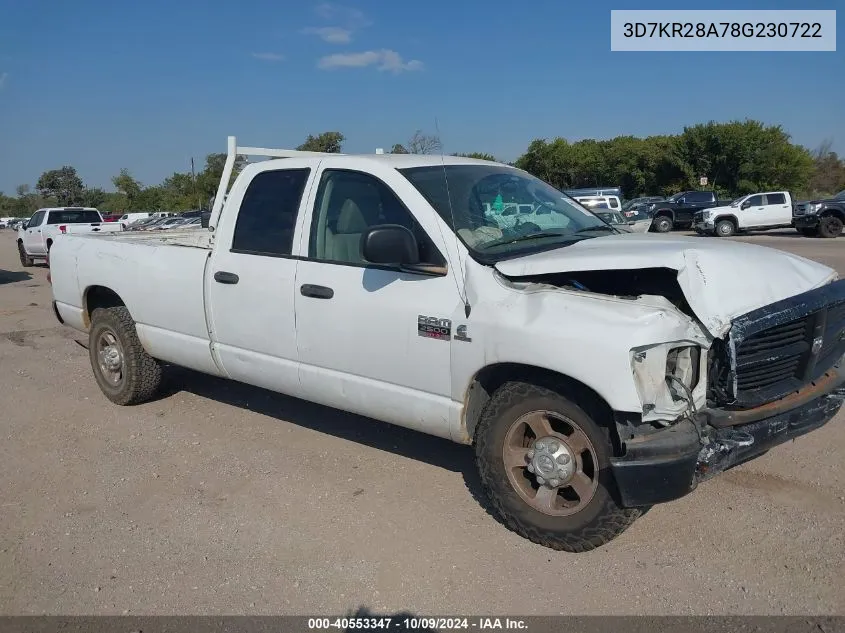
x: 614, y: 203
x: 775, y: 198
x: 35, y: 220
x: 347, y: 204
x: 268, y: 212
x: 695, y: 197
x: 755, y: 201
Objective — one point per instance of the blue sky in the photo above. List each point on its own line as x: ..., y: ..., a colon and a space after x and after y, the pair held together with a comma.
x: 146, y: 85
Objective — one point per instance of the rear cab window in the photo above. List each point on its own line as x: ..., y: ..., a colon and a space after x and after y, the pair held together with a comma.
x: 74, y: 216
x: 268, y: 213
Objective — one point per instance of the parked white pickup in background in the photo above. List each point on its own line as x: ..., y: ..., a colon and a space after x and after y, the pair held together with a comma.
x: 754, y: 212
x: 45, y: 225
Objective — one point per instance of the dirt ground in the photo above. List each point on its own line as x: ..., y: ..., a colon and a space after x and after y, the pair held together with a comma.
x: 220, y: 498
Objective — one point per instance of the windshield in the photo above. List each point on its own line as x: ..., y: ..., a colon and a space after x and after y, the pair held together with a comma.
x: 675, y: 197
x: 840, y: 196
x: 500, y: 211
x: 735, y: 202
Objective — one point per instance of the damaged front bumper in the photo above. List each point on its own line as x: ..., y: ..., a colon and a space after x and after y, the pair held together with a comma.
x: 670, y: 463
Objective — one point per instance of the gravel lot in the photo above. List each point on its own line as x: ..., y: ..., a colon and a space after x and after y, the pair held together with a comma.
x: 223, y: 498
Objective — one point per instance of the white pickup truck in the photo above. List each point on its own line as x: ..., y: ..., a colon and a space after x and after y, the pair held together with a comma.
x: 754, y: 212
x: 594, y: 373
x: 36, y: 236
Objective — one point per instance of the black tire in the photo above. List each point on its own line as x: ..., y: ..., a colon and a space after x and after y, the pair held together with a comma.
x: 26, y: 260
x: 662, y: 224
x: 809, y: 232
x: 724, y: 228
x: 830, y: 226
x: 598, y: 522
x: 140, y: 373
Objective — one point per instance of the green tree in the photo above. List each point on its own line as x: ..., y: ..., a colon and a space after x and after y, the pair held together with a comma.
x: 93, y: 197
x: 329, y: 142
x: 127, y: 185
x: 62, y: 184
x: 398, y: 148
x: 828, y: 175
x: 478, y: 155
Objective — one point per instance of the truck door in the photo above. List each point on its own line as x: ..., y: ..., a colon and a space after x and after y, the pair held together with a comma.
x: 250, y: 278
x: 753, y: 212
x: 778, y: 211
x: 33, y: 240
x: 372, y: 339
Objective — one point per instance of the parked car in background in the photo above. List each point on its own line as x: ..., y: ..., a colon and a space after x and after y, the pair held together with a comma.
x: 620, y: 222
x: 36, y: 238
x: 643, y: 200
x: 638, y: 208
x: 753, y: 212
x: 678, y: 211
x: 610, y: 202
x: 825, y: 218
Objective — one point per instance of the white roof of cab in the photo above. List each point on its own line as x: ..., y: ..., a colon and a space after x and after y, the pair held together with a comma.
x: 401, y: 161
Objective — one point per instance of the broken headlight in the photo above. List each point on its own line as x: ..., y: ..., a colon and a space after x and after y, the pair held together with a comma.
x: 683, y: 365
x: 667, y: 377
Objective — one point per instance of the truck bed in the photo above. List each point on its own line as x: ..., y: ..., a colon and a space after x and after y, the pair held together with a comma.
x: 193, y: 238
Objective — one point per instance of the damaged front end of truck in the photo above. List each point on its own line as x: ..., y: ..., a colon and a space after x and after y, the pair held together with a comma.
x: 766, y: 375
x: 777, y: 374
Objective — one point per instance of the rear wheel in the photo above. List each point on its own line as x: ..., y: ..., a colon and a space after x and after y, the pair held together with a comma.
x: 124, y: 371
x: 662, y: 224
x: 544, y: 464
x: 26, y: 260
x: 830, y: 226
x: 725, y: 228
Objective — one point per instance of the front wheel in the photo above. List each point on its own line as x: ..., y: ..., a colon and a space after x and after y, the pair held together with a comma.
x: 124, y: 371
x: 26, y: 260
x: 662, y: 224
x: 544, y: 465
x: 725, y: 228
x: 830, y: 226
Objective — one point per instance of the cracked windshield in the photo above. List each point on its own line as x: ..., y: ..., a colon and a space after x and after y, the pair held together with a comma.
x: 498, y: 210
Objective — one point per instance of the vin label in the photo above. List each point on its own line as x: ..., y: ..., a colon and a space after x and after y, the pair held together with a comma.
x: 432, y: 327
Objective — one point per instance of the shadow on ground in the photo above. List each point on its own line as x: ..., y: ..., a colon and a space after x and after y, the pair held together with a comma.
x: 13, y: 276
x: 380, y: 435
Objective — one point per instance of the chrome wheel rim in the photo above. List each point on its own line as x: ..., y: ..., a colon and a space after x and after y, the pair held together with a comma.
x: 110, y: 358
x: 551, y: 463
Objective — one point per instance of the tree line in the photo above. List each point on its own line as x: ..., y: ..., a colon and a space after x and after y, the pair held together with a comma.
x: 736, y: 157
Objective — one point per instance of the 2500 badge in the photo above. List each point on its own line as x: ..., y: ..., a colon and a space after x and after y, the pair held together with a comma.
x: 432, y: 327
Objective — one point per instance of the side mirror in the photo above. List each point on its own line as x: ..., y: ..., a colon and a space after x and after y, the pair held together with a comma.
x: 745, y: 204
x: 24, y: 225
x: 390, y: 244
x: 205, y: 219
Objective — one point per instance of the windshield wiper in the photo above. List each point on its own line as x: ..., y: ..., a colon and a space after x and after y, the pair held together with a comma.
x: 589, y: 229
x: 525, y: 237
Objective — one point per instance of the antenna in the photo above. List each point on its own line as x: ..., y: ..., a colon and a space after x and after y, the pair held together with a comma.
x: 462, y: 284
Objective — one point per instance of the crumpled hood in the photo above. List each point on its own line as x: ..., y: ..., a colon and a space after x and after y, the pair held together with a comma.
x: 720, y: 279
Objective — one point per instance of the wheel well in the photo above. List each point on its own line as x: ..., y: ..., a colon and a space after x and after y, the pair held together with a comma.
x: 99, y: 297
x: 730, y: 218
x: 20, y: 240
x: 664, y: 213
x: 834, y: 211
x: 490, y: 378
x: 49, y: 243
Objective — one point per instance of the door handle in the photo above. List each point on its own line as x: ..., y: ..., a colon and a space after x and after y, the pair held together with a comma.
x: 223, y: 277
x: 317, y: 292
